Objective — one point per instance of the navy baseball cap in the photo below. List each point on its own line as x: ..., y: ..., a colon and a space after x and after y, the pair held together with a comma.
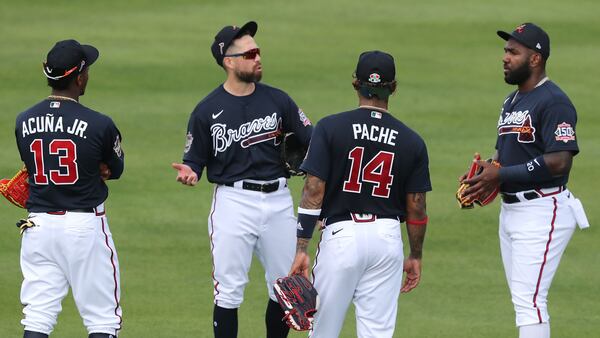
x: 225, y: 37
x: 68, y: 56
x: 530, y: 36
x: 375, y: 68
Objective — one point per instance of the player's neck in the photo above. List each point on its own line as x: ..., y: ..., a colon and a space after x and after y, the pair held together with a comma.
x: 70, y: 93
x: 236, y: 87
x: 373, y: 104
x: 534, y: 81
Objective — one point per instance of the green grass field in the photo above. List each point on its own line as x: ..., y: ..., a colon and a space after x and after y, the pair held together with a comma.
x: 154, y: 67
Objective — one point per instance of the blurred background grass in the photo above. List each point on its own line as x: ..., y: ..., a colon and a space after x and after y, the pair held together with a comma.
x: 155, y: 65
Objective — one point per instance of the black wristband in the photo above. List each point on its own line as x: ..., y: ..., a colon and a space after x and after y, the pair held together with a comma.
x: 532, y: 171
x: 307, y: 220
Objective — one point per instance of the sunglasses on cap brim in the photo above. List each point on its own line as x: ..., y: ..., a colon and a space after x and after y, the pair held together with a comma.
x: 248, y: 55
x: 48, y: 70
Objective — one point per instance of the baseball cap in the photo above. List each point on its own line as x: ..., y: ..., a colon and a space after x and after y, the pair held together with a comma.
x: 530, y: 36
x: 225, y: 37
x: 68, y: 56
x: 374, y: 70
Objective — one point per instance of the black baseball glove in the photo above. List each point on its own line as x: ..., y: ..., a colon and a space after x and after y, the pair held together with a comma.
x: 298, y: 299
x: 292, y: 154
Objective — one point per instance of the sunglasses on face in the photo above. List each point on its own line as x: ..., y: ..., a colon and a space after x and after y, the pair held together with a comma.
x: 248, y: 55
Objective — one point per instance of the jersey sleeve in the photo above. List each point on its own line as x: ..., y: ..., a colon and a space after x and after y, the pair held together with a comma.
x: 419, y: 180
x: 113, y: 154
x: 197, y: 144
x: 317, y: 161
x: 297, y: 122
x: 558, y: 128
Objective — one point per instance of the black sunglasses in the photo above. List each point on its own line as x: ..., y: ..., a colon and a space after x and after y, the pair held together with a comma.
x: 248, y: 55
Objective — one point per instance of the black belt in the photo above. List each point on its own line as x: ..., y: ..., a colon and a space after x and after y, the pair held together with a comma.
x: 265, y: 187
x: 349, y: 217
x: 510, y: 198
x: 62, y: 212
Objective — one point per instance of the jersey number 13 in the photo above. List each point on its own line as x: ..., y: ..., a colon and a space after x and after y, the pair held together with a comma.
x: 66, y: 150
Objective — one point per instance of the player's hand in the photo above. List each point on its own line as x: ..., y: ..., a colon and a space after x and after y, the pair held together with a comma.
x: 185, y: 174
x: 484, y: 183
x: 301, y: 264
x: 104, y: 171
x: 412, y: 268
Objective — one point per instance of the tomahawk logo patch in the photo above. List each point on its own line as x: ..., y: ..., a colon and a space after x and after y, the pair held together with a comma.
x: 564, y: 132
x: 517, y: 122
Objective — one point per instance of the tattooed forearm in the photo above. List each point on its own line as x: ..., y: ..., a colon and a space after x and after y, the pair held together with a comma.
x: 302, y: 245
x: 416, y: 236
x: 312, y: 195
x: 416, y: 211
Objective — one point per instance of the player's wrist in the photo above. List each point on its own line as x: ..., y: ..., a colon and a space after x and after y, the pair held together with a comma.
x: 534, y: 170
x: 307, y: 220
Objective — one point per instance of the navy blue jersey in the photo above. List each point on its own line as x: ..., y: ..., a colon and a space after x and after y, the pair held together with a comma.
x: 369, y: 161
x: 239, y: 137
x: 62, y: 144
x: 532, y: 124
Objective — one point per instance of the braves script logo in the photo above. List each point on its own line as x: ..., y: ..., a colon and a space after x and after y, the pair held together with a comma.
x: 249, y: 133
x: 564, y: 132
x: 517, y: 122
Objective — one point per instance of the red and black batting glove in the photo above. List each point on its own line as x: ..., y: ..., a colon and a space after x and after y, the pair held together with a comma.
x: 299, y: 301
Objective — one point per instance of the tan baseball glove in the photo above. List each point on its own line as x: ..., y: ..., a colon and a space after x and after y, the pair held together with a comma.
x: 16, y: 189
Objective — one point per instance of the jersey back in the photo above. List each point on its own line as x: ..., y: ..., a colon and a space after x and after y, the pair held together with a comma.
x: 62, y: 144
x: 369, y: 160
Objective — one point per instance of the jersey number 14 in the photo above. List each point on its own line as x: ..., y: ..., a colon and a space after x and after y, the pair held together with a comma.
x: 378, y: 170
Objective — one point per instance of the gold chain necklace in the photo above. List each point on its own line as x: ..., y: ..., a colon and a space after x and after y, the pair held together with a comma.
x: 58, y: 97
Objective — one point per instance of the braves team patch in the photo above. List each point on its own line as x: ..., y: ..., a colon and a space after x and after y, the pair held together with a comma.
x: 303, y: 118
x: 564, y: 132
x: 188, y: 142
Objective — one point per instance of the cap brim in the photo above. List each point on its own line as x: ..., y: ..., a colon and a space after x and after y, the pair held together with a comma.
x: 251, y: 27
x: 91, y: 54
x: 504, y: 35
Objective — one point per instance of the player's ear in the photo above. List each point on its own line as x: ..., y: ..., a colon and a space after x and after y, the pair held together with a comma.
x: 356, y: 84
x: 393, y: 86
x: 535, y: 60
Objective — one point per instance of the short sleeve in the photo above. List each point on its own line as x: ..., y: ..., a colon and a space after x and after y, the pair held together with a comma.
x: 198, y: 145
x: 113, y: 154
x: 317, y: 161
x: 297, y: 122
x: 419, y: 179
x: 558, y: 128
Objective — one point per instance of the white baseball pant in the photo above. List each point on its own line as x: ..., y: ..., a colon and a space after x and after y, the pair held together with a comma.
x: 533, y: 236
x: 70, y: 249
x: 359, y: 262
x: 242, y: 222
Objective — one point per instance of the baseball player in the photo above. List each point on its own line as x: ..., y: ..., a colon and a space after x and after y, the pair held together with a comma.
x: 235, y: 133
x: 535, y: 147
x: 69, y: 151
x: 367, y: 172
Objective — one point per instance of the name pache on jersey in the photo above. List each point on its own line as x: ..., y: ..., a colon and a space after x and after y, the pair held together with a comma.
x: 373, y: 133
x: 50, y: 124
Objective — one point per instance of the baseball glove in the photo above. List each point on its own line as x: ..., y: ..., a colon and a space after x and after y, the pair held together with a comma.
x: 298, y: 299
x: 24, y: 224
x: 16, y: 190
x: 482, y: 201
x: 292, y: 154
